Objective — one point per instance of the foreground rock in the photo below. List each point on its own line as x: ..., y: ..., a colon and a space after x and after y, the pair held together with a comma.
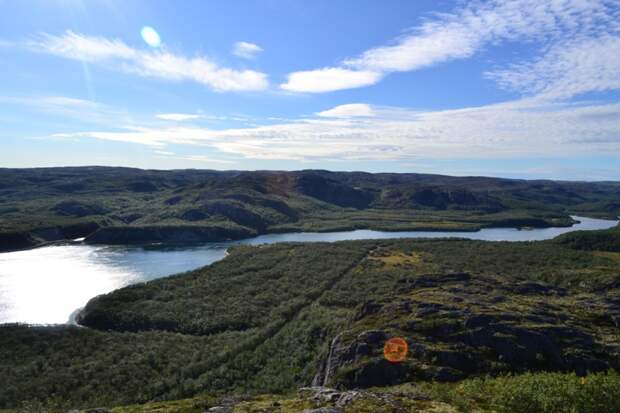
x: 458, y: 325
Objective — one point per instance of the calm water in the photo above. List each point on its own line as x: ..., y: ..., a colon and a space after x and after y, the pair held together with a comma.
x: 46, y: 285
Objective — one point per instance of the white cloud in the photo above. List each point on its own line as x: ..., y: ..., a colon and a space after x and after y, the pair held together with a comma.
x: 80, y: 109
x: 520, y: 128
x: 52, y: 103
x: 567, y: 70
x: 193, y: 158
x: 177, y: 117
x: 466, y: 31
x: 79, y: 47
x: 348, y: 111
x: 329, y: 79
x: 207, y: 159
x: 470, y: 29
x: 159, y: 63
x: 246, y: 50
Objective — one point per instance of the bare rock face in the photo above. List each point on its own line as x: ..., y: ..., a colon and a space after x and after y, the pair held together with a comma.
x: 459, y: 324
x: 323, y: 410
x: 325, y: 395
x: 330, y: 363
x: 376, y: 372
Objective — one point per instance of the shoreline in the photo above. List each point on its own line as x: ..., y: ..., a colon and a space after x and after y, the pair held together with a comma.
x: 239, y: 235
x: 74, y: 315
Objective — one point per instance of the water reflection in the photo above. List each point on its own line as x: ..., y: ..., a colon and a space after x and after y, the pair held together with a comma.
x: 46, y: 285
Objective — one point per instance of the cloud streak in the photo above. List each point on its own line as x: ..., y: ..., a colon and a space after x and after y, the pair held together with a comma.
x: 177, y: 117
x: 69, y: 107
x: 160, y: 64
x: 520, y: 128
x: 469, y: 30
x: 566, y: 71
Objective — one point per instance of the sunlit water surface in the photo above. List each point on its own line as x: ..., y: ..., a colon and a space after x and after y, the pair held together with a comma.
x: 46, y: 285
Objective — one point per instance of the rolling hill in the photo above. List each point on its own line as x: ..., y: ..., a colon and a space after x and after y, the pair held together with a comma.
x: 123, y: 205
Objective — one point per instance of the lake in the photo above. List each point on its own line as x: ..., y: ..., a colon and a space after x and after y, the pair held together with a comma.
x: 47, y: 285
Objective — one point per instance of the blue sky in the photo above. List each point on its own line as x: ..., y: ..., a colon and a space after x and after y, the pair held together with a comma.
x: 520, y: 88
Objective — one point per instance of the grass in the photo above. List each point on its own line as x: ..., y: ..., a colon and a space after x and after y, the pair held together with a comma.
x: 546, y: 392
x: 543, y: 392
x: 615, y: 256
x: 396, y: 258
x: 192, y: 405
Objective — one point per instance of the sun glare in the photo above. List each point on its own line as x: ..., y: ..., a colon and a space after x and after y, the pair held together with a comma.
x: 150, y: 36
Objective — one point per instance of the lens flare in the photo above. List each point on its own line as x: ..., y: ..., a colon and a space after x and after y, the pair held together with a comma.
x: 395, y: 350
x: 150, y: 36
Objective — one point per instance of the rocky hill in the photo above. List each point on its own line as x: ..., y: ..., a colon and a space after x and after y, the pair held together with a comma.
x: 123, y: 205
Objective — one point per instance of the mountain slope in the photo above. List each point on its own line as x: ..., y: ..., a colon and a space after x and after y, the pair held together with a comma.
x: 122, y: 205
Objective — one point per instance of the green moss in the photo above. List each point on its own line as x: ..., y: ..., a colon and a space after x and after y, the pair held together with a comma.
x: 193, y: 405
x: 533, y: 393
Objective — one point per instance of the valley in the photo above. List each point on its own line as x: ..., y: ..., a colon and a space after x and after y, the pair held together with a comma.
x: 131, y: 206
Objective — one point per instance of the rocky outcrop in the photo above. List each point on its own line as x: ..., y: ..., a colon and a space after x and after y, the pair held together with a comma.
x: 358, y: 364
x: 330, y: 363
x: 459, y: 324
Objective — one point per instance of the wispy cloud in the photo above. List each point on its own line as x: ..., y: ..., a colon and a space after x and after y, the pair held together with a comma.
x: 567, y: 70
x: 194, y: 158
x: 207, y: 159
x: 246, y: 50
x: 87, y: 48
x: 467, y: 31
x: 158, y: 64
x: 68, y: 107
x: 521, y: 128
x: 348, y: 111
x: 177, y: 117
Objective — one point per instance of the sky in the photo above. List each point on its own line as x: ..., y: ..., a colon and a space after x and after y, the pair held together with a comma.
x: 515, y: 88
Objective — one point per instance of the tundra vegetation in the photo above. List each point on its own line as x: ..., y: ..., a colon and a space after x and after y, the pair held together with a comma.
x: 491, y: 326
x: 123, y: 205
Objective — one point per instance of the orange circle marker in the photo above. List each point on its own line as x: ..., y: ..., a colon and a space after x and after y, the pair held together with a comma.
x: 395, y: 350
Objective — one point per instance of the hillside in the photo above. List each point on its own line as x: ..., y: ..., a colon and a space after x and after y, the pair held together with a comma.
x: 272, y: 319
x: 122, y: 205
